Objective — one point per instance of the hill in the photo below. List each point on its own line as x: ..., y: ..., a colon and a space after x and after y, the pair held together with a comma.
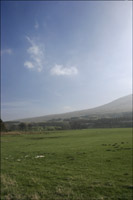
x: 118, y: 107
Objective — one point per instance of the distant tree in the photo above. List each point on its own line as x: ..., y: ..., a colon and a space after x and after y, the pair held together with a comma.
x: 2, y: 126
x: 22, y: 126
x: 30, y: 126
x: 13, y: 127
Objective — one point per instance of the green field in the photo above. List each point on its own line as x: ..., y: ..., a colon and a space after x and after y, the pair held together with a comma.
x: 67, y: 165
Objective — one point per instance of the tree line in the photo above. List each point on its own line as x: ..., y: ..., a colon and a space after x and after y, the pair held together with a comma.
x: 67, y: 124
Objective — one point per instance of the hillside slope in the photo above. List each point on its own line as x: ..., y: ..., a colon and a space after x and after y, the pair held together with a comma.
x: 121, y: 105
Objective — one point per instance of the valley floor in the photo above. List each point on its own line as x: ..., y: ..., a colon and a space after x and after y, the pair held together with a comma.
x: 89, y: 164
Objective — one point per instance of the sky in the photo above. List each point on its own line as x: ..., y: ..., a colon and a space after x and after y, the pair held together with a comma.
x: 62, y: 56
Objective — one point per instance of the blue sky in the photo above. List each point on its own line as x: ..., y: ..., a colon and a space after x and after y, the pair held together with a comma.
x: 63, y: 56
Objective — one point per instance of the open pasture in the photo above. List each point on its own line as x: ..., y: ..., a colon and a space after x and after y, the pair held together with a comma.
x: 86, y: 164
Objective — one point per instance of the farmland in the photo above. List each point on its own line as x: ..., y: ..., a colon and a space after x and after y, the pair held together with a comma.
x: 89, y: 164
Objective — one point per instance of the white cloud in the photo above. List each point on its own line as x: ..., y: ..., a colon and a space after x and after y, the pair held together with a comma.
x: 29, y: 65
x: 34, y: 50
x: 60, y: 70
x: 6, y: 51
x: 36, y: 54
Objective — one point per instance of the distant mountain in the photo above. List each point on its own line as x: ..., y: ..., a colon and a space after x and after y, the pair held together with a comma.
x: 115, y: 108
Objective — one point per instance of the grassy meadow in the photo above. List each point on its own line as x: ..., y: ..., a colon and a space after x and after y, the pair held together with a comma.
x: 93, y: 164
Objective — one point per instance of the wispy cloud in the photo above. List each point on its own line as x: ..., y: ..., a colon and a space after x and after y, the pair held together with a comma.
x: 29, y: 65
x: 6, y: 51
x: 36, y: 53
x: 60, y: 70
x: 36, y: 26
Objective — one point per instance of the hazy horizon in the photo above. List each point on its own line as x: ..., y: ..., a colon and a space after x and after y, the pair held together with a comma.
x: 72, y: 110
x: 59, y: 57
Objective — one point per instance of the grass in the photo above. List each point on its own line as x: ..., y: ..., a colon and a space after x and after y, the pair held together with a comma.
x: 94, y: 164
